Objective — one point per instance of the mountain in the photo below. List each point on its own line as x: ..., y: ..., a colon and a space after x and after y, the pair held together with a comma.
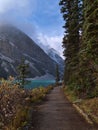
x: 54, y: 55
x: 14, y: 45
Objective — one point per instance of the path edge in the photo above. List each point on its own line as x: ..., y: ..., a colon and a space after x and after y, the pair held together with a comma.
x: 86, y: 117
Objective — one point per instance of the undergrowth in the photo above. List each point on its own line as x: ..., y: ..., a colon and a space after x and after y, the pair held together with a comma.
x: 16, y: 104
x: 88, y: 105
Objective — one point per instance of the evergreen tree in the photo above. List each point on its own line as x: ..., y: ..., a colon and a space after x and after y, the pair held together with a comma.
x: 71, y: 42
x: 22, y: 71
x: 80, y: 44
x: 89, y: 48
x: 57, y: 74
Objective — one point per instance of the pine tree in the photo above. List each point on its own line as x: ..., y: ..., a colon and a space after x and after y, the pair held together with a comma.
x: 71, y: 41
x: 89, y: 48
x: 22, y: 71
x: 81, y: 44
x: 57, y: 74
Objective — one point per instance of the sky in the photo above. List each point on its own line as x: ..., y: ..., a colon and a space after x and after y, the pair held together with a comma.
x: 40, y: 19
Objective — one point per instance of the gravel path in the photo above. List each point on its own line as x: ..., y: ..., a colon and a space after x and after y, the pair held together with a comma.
x: 57, y: 113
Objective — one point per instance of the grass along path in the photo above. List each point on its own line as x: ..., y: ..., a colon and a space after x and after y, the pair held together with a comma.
x: 57, y: 113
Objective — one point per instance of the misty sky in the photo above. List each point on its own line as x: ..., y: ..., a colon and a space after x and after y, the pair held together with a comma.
x: 40, y: 19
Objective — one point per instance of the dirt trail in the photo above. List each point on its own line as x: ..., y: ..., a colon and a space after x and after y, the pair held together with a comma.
x: 57, y: 113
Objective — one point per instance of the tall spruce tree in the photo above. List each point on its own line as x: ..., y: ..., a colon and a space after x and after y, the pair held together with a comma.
x: 89, y: 49
x: 81, y: 44
x: 71, y: 13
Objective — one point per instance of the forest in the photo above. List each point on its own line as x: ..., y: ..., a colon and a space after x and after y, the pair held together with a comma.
x: 33, y: 95
x: 80, y: 43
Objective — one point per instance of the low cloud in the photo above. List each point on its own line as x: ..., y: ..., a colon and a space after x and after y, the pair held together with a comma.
x: 52, y: 42
x: 20, y: 14
x: 20, y: 7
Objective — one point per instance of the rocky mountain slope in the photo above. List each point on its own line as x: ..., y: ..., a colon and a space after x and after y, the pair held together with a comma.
x: 14, y: 45
x: 53, y: 54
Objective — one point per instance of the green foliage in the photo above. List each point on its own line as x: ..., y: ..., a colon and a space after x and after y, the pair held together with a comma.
x: 21, y: 118
x: 38, y: 94
x: 72, y: 15
x: 57, y: 74
x: 16, y: 104
x: 71, y: 95
x: 90, y: 42
x: 22, y: 71
x: 81, y: 49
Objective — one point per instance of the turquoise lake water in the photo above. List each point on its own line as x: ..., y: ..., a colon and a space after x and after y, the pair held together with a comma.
x: 39, y: 83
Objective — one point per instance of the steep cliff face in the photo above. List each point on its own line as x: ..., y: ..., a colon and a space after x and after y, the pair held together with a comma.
x: 14, y: 45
